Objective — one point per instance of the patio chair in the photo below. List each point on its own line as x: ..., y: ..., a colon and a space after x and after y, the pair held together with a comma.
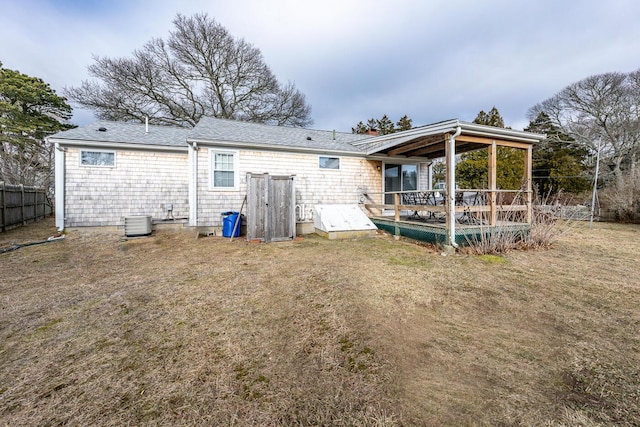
x: 409, y: 199
x: 469, y: 198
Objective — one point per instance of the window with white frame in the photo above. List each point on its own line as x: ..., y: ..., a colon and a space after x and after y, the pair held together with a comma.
x: 399, y: 177
x: 329, y: 162
x: 97, y: 158
x: 224, y: 169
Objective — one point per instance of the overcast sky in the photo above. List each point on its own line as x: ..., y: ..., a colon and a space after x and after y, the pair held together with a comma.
x: 355, y: 59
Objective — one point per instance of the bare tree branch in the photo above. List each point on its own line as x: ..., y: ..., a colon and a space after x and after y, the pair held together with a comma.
x: 200, y: 70
x: 600, y: 110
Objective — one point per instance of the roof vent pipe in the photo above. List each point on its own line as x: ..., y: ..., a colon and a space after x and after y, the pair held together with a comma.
x: 146, y: 124
x: 451, y: 187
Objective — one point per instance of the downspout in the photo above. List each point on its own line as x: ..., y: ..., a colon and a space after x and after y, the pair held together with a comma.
x: 595, y: 188
x: 193, y: 184
x: 59, y: 185
x: 451, y: 187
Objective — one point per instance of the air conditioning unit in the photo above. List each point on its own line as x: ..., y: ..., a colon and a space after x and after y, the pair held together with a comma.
x: 137, y: 225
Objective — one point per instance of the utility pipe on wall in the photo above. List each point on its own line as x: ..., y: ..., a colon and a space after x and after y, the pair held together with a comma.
x: 451, y: 186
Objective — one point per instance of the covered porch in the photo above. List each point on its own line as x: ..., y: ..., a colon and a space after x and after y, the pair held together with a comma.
x: 452, y: 215
x: 422, y: 215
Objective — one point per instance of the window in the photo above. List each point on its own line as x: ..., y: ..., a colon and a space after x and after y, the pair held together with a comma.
x: 329, y: 163
x: 399, y: 178
x: 224, y: 170
x: 97, y: 158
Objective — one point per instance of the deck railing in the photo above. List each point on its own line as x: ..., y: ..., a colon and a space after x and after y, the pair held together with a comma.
x: 472, y: 206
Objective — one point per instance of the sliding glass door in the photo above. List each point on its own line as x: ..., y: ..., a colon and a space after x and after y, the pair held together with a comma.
x: 399, y: 177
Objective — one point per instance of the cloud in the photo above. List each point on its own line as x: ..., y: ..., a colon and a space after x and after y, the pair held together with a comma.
x: 356, y: 59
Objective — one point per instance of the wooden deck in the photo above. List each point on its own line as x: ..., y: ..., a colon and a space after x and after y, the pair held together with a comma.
x: 423, y: 216
x: 436, y: 231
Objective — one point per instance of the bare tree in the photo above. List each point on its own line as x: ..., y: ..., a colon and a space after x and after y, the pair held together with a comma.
x: 601, y: 111
x: 200, y: 70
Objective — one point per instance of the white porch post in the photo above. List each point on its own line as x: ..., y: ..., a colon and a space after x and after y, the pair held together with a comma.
x: 450, y: 165
x: 59, y: 186
x: 193, y: 184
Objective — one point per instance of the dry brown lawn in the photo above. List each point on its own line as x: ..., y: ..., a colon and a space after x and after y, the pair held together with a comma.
x: 170, y: 329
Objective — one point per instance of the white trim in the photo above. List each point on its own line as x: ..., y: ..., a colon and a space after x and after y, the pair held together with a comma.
x: 90, y: 150
x: 442, y: 128
x: 193, y: 184
x: 236, y: 176
x: 274, y: 147
x: 401, y: 163
x: 59, y: 185
x: 121, y: 146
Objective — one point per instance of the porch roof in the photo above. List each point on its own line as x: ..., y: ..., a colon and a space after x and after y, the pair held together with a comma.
x: 429, y: 141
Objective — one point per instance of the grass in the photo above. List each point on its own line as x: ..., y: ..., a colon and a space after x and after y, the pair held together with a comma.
x: 175, y: 330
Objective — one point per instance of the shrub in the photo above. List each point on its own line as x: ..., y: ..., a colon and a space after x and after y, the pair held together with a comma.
x: 623, y: 197
x: 550, y: 219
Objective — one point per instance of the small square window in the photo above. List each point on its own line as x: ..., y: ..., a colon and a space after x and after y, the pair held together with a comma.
x: 329, y: 163
x: 97, y: 158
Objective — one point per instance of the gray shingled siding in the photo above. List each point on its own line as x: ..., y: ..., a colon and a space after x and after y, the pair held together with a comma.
x: 141, y: 183
x: 313, y: 185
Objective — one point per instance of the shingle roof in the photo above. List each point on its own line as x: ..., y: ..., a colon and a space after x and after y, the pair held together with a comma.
x: 238, y: 134
x: 131, y: 133
x: 213, y: 130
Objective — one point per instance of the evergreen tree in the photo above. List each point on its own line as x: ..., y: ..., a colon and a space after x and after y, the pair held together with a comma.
x: 360, y: 128
x: 384, y: 125
x: 558, y: 162
x: 602, y: 112
x: 405, y: 123
x: 29, y: 111
x: 473, y: 169
x: 492, y: 118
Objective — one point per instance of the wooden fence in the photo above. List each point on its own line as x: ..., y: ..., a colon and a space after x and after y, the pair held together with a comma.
x: 20, y: 205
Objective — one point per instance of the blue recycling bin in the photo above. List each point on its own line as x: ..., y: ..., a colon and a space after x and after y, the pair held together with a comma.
x: 229, y: 222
